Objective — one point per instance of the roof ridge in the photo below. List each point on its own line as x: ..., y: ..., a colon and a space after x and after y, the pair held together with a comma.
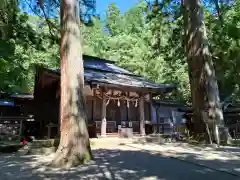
x: 97, y: 58
x: 102, y: 70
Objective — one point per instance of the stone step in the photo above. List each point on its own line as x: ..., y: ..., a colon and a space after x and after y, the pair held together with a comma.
x: 9, y: 148
x: 42, y: 151
x: 28, y: 150
x: 45, y: 143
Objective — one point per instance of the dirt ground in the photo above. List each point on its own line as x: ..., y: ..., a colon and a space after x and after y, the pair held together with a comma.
x: 113, y: 159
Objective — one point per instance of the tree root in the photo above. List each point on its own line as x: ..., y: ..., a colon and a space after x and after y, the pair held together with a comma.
x: 70, y: 159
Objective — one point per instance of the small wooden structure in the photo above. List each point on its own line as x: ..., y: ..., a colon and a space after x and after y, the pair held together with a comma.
x: 231, y: 118
x: 167, y: 116
x: 16, y: 115
x: 116, y: 99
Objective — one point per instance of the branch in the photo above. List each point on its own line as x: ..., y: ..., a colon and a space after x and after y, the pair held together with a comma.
x: 50, y: 24
x: 29, y: 5
x: 2, y: 17
x: 218, y: 11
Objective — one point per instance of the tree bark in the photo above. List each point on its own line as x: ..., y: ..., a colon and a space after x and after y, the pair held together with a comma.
x: 204, y: 87
x: 74, y: 147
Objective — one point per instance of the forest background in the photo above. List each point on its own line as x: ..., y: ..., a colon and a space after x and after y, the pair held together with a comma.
x: 144, y: 40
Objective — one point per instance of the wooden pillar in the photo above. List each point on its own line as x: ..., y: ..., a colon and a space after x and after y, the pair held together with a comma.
x: 20, y: 128
x: 104, y: 121
x: 157, y: 116
x: 128, y: 105
x: 150, y: 111
x: 129, y: 115
x: 142, y: 116
x: 49, y: 132
x: 93, y: 102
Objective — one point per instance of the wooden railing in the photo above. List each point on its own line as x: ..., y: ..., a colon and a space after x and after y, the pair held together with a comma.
x: 235, y: 129
x: 11, y: 118
x: 135, y: 125
x: 112, y: 126
x: 11, y: 126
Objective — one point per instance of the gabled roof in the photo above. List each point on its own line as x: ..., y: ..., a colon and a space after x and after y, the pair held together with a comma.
x: 123, y: 80
x: 169, y: 103
x: 22, y: 96
x: 4, y: 95
x: 106, y: 72
x: 91, y: 62
x: 5, y: 102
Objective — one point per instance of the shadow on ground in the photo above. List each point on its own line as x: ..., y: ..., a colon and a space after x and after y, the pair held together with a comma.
x: 225, y: 159
x: 160, y: 140
x: 108, y: 164
x: 229, y: 165
x: 229, y: 149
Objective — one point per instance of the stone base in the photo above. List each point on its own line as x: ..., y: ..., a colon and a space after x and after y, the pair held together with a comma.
x: 45, y: 143
x: 42, y: 151
x: 9, y: 148
x: 126, y: 132
x: 102, y: 136
x: 40, y: 147
x: 34, y: 150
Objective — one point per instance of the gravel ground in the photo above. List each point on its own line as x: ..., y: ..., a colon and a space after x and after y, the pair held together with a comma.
x: 224, y: 158
x: 112, y: 161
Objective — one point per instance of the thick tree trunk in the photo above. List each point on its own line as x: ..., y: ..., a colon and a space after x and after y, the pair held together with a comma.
x: 194, y: 72
x: 204, y: 87
x: 74, y: 147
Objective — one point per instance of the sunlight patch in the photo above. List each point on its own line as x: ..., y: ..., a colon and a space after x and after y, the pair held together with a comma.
x: 152, y: 178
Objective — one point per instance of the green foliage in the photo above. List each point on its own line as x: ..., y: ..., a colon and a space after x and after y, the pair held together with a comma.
x: 149, y: 42
x: 145, y: 40
x: 224, y: 40
x: 22, y: 45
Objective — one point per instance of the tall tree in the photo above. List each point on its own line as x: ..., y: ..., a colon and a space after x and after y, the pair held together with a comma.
x: 74, y: 147
x: 166, y: 61
x: 204, y: 87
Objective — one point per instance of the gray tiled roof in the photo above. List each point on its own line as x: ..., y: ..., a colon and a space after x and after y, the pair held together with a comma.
x: 103, y: 65
x: 122, y: 79
x: 4, y: 102
x: 104, y: 71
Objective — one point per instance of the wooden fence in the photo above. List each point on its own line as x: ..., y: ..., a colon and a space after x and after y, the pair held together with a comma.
x: 11, y: 127
x: 234, y: 130
x: 112, y: 126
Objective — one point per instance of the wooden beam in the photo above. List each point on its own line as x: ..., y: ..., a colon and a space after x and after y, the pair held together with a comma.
x: 157, y: 116
x: 142, y: 116
x: 150, y: 107
x: 93, y: 102
x: 20, y: 128
x: 134, y: 89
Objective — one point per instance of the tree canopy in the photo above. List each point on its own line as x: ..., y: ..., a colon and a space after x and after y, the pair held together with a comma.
x: 144, y: 39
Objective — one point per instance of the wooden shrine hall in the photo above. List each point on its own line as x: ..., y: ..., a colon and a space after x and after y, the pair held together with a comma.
x: 116, y: 99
